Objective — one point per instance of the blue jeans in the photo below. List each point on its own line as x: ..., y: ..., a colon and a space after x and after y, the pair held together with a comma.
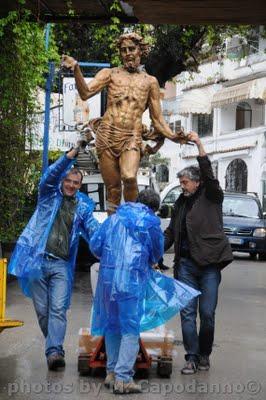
x: 122, y: 351
x: 206, y: 280
x: 50, y: 299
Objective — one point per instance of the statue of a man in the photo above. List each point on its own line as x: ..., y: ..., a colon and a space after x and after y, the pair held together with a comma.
x: 119, y: 134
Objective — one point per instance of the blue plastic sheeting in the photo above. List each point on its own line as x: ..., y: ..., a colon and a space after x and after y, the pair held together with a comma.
x: 164, y: 298
x: 27, y: 258
x: 128, y: 289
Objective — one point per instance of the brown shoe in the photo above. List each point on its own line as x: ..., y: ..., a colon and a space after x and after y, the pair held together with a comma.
x: 122, y: 387
x: 189, y: 368
x: 55, y: 361
x: 109, y: 380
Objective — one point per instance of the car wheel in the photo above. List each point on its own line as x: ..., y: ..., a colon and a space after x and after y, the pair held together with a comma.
x: 262, y: 256
x: 253, y: 256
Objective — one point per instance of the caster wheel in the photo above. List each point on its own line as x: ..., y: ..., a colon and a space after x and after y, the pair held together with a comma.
x: 142, y: 373
x: 83, y: 365
x: 165, y: 367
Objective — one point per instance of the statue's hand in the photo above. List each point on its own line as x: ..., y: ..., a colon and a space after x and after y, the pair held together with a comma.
x: 194, y: 137
x: 181, y: 137
x: 68, y: 62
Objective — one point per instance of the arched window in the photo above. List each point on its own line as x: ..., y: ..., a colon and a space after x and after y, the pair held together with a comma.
x: 203, y: 124
x: 236, y: 176
x: 215, y: 169
x: 162, y: 173
x: 264, y: 195
x: 243, y: 116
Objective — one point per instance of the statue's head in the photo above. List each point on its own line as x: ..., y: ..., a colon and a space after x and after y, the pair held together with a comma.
x: 132, y: 48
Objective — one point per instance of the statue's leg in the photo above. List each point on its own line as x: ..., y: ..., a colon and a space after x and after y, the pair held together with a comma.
x: 129, y: 165
x: 109, y: 166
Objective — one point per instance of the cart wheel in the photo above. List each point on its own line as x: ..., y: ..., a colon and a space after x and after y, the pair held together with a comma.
x: 83, y: 365
x: 142, y: 373
x: 98, y: 371
x: 165, y: 368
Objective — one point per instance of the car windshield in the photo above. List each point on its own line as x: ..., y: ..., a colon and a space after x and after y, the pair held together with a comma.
x: 172, y: 196
x: 240, y: 207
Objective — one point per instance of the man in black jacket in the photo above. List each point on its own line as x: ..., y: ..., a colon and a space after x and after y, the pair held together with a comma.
x: 201, y: 251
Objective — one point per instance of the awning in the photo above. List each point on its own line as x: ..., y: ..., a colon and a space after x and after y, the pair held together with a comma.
x: 198, y: 101
x: 179, y: 12
x: 255, y: 89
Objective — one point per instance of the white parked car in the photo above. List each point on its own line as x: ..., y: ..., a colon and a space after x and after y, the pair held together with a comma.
x: 168, y: 195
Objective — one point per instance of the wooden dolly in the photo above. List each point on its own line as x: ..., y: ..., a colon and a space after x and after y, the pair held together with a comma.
x: 92, y: 359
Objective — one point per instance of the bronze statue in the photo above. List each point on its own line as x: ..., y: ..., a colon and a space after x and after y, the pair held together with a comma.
x: 119, y: 133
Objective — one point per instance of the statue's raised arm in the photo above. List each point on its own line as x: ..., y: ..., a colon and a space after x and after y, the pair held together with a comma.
x: 86, y: 90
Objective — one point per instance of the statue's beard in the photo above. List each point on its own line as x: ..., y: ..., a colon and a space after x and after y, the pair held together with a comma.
x: 132, y: 65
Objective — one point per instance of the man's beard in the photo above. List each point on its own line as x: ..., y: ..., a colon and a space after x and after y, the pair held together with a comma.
x: 189, y: 194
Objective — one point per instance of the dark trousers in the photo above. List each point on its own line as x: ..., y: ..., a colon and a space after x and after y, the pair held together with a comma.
x: 207, y: 281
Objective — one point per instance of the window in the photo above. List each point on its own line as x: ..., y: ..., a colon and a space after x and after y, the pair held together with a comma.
x: 202, y: 124
x: 264, y: 195
x: 243, y: 116
x: 236, y: 176
x: 162, y: 173
x: 175, y: 126
x: 215, y: 169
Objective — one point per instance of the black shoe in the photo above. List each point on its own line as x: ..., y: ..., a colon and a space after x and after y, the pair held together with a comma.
x: 55, y: 361
x: 189, y: 368
x: 204, y: 363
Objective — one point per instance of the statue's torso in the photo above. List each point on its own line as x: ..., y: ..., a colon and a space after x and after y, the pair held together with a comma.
x: 127, y: 99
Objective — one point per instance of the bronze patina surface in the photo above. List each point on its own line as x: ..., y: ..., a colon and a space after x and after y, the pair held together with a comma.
x: 119, y: 133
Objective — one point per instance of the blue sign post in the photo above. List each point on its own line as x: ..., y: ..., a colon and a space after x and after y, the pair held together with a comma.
x: 48, y: 87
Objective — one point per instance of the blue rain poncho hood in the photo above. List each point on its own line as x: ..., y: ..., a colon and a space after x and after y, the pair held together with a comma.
x: 128, y: 243
x: 28, y: 256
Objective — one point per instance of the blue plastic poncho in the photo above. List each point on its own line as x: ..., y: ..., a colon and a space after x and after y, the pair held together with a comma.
x: 27, y: 258
x: 130, y: 296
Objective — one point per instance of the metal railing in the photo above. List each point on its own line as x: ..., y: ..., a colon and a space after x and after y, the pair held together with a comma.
x: 171, y: 106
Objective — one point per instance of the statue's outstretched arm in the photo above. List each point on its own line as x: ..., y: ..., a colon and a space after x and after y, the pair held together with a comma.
x: 87, y: 90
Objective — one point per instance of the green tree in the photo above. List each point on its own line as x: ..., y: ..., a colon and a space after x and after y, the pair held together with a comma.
x: 174, y: 48
x: 23, y: 63
x: 183, y: 48
x: 158, y: 159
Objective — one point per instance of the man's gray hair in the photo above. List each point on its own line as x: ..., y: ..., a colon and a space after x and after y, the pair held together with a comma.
x: 191, y: 172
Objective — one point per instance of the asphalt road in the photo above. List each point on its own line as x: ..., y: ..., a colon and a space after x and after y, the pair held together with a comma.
x: 238, y: 362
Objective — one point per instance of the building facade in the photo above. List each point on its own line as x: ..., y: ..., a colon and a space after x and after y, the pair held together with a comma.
x: 225, y: 103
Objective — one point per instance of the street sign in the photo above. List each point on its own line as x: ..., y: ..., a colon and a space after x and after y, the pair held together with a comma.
x: 75, y: 110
